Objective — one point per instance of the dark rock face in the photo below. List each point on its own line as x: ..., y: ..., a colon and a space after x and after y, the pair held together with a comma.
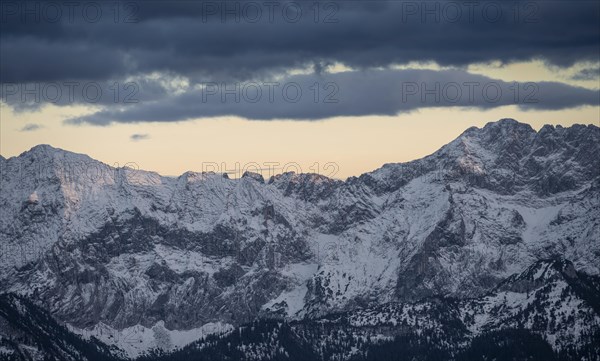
x: 131, y: 247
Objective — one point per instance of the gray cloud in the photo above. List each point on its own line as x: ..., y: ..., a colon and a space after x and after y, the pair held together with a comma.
x: 30, y: 127
x: 354, y: 93
x: 587, y: 74
x: 138, y: 137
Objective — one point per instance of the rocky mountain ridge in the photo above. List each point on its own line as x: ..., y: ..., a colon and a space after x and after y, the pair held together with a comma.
x: 125, y: 248
x: 548, y: 312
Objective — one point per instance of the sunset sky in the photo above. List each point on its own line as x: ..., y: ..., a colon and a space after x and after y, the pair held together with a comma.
x: 185, y: 85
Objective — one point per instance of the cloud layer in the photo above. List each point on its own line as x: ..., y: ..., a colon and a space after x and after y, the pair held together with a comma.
x: 161, y: 60
x: 352, y: 93
x: 231, y: 40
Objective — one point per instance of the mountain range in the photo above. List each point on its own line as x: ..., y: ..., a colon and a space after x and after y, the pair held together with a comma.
x: 489, y: 247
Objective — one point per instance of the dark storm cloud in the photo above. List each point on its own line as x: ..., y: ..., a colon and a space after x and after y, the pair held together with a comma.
x: 203, y: 40
x: 356, y: 93
x: 35, y: 59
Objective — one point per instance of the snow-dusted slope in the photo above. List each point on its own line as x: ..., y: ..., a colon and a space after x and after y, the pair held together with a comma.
x: 126, y: 247
x: 547, y: 312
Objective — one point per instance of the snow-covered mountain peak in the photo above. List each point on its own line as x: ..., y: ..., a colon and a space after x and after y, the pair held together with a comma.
x: 255, y: 176
x: 508, y: 124
x: 42, y: 149
x: 46, y: 152
x: 192, y: 177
